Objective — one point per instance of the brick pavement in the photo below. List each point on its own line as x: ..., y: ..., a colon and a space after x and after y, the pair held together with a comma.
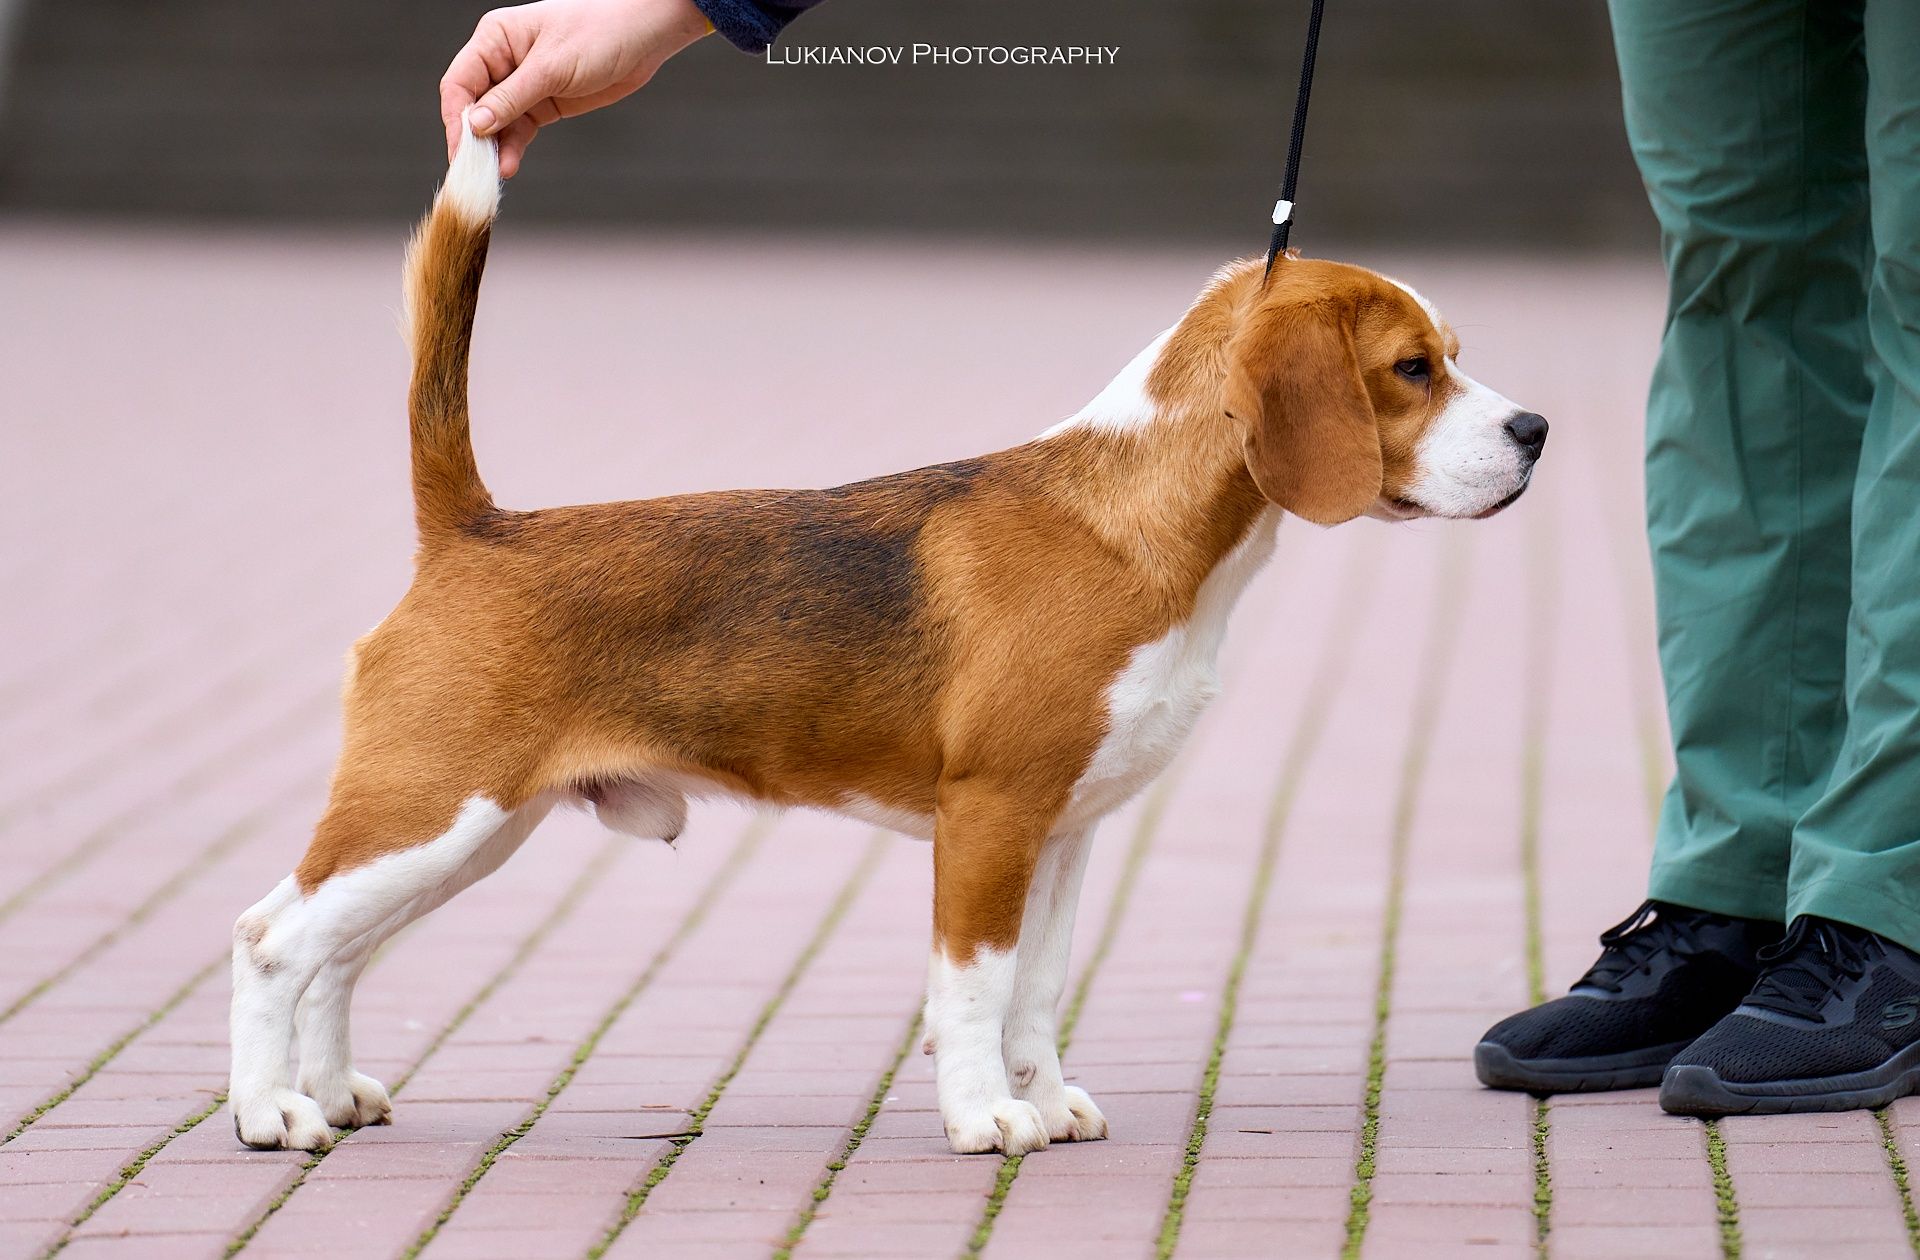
x: 1426, y: 787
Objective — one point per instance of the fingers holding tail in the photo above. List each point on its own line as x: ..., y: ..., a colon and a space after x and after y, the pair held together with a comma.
x: 443, y: 269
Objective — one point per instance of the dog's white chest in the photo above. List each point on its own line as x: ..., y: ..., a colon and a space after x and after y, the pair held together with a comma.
x: 1153, y: 703
x: 1151, y: 708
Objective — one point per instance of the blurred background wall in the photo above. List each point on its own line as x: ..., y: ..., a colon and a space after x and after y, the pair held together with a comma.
x: 1483, y: 123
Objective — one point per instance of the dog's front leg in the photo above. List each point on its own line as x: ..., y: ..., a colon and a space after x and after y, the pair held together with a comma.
x: 986, y: 843
x: 1030, y: 1041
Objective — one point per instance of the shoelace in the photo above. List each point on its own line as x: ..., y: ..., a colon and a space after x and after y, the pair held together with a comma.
x: 1808, y: 968
x: 1632, y: 944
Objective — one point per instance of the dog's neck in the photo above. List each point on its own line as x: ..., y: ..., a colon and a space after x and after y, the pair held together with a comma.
x: 1173, y: 492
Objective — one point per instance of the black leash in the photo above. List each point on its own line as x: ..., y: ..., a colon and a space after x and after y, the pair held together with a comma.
x: 1283, y: 208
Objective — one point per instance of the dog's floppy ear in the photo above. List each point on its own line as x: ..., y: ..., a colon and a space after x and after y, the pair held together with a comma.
x: 1313, y: 444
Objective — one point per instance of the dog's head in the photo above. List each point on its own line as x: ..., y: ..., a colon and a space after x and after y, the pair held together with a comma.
x: 1353, y: 404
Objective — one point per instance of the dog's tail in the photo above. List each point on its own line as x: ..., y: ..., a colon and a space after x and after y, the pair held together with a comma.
x: 444, y: 264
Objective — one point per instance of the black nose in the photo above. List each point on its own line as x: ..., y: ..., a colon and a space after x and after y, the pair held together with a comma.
x: 1530, y: 431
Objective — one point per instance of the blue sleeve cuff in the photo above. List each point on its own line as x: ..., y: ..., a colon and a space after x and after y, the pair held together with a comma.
x: 751, y: 25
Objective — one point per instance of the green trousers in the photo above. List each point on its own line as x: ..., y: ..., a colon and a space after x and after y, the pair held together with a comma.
x: 1779, y: 141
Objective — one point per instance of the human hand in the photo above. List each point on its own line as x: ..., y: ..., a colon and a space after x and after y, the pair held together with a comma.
x: 534, y: 64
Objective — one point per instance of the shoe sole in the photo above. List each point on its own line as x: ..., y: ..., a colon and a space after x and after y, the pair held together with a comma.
x: 1497, y: 1068
x: 1692, y: 1089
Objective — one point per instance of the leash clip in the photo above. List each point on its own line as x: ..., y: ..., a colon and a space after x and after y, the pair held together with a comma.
x: 1283, y: 208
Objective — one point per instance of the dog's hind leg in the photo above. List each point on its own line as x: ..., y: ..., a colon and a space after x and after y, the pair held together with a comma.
x: 348, y: 1098
x: 315, y: 932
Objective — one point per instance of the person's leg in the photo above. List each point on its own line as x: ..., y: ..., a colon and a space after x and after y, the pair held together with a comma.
x: 1830, y: 1024
x: 1856, y: 853
x: 1745, y: 119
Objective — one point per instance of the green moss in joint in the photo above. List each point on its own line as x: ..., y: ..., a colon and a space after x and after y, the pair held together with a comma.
x: 1543, y: 591
x: 855, y: 1137
x: 697, y: 1121
x: 1327, y: 679
x: 1727, y: 1205
x: 112, y: 1052
x: 127, y: 1173
x: 1902, y: 1182
x: 1433, y: 666
x: 1542, y: 1179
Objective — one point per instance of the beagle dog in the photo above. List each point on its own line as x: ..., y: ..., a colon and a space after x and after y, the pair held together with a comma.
x: 992, y: 653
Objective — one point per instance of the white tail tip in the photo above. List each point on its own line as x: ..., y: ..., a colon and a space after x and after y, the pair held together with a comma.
x: 472, y: 186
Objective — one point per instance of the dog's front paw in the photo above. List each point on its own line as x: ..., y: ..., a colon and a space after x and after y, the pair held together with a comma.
x: 1010, y: 1126
x: 1072, y: 1117
x: 350, y: 1100
x: 281, y: 1120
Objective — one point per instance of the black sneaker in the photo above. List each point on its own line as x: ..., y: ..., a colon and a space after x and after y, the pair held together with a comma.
x: 1665, y: 975
x: 1832, y: 1024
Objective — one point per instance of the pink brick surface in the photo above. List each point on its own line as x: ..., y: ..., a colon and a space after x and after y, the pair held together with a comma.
x: 166, y: 722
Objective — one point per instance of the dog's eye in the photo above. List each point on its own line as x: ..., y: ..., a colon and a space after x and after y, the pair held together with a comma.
x: 1414, y: 369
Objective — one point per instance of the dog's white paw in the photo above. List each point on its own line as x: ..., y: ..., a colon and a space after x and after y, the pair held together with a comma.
x: 1074, y: 1118
x: 350, y: 1100
x: 281, y: 1120
x: 1010, y: 1126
